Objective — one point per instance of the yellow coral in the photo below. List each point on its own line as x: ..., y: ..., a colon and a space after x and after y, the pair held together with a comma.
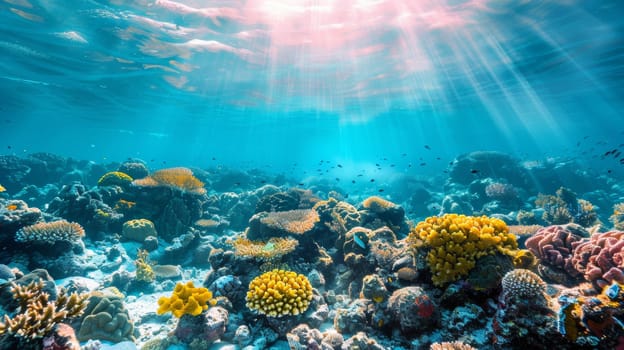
x: 279, y: 293
x: 144, y: 271
x: 457, y: 241
x: 179, y: 178
x: 272, y: 249
x: 186, y: 299
x: 115, y: 178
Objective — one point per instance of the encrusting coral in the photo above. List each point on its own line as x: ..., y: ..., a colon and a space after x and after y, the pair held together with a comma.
x: 179, y: 178
x: 186, y: 299
x: 51, y: 232
x: 457, y: 241
x: 279, y: 293
x: 37, y: 315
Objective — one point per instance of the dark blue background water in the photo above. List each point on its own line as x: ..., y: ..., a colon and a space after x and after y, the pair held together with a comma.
x: 274, y: 83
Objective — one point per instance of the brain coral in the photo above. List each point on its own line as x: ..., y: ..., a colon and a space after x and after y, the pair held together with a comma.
x: 138, y: 230
x: 115, y: 178
x: 50, y: 232
x: 457, y: 241
x: 279, y: 293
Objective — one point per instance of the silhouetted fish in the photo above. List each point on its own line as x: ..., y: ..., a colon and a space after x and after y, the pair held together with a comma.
x: 372, y: 180
x: 423, y: 164
x: 474, y: 171
x: 339, y: 165
x: 381, y: 190
x: 427, y: 147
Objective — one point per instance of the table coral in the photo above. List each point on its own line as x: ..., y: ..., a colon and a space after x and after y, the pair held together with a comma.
x: 51, y: 232
x: 282, y: 223
x: 457, y: 241
x: 177, y: 178
x: 186, y: 299
x: 272, y: 249
x: 279, y: 293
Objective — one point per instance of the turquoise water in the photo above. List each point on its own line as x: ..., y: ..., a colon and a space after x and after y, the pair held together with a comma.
x: 273, y: 83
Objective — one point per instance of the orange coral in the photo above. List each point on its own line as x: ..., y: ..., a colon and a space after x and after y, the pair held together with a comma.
x: 180, y: 178
x: 298, y: 221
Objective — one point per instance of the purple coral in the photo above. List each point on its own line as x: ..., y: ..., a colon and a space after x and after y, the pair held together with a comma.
x: 554, y: 246
x: 601, y: 258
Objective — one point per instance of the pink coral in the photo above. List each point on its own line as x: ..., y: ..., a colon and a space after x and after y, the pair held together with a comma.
x: 554, y: 246
x: 601, y: 258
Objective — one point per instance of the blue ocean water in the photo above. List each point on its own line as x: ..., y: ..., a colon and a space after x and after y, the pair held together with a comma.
x: 273, y: 83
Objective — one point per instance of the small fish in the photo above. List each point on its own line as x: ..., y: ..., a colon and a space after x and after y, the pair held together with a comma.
x: 372, y: 180
x: 427, y: 147
x: 213, y: 158
x: 352, y: 181
x: 360, y: 175
x: 392, y: 165
x: 337, y: 179
x: 617, y: 154
x: 608, y: 152
x: 377, y: 165
x: 409, y: 165
x: 474, y: 171
x: 423, y: 164
x: 622, y: 161
x: 301, y: 184
x: 381, y: 190
x: 339, y: 165
x: 358, y: 240
x: 403, y: 154
x: 609, y: 171
x: 9, y: 147
x: 263, y: 181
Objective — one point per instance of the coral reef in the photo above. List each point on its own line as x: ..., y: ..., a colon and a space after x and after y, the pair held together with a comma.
x: 456, y: 345
x: 279, y: 293
x: 186, y: 299
x: 457, y: 241
x: 413, y: 309
x: 617, y: 218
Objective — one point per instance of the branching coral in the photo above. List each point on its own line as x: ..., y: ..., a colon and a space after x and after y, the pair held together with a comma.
x: 37, y: 315
x: 618, y: 217
x: 186, y: 299
x: 51, y: 232
x: 144, y: 271
x: 457, y: 241
x: 279, y: 293
x: 272, y: 249
x: 178, y: 178
x: 565, y: 208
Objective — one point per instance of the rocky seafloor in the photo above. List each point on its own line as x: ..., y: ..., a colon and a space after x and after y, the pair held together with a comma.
x: 124, y: 256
